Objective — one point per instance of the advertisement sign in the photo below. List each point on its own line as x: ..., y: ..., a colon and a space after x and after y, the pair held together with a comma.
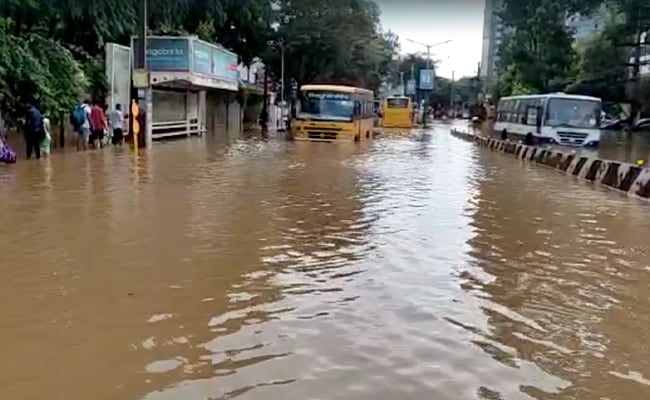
x: 166, y: 53
x: 225, y: 64
x: 202, y: 58
x: 410, y: 87
x: 213, y: 61
x: 118, y: 66
x: 427, y: 79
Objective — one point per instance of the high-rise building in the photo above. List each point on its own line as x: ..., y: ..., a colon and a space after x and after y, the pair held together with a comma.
x: 492, y: 36
x: 582, y: 26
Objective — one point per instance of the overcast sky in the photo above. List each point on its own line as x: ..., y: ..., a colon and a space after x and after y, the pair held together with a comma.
x: 434, y: 21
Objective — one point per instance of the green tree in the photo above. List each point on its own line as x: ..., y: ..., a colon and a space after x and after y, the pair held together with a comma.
x: 537, y: 48
x: 54, y: 49
x: 36, y: 68
x: 465, y: 89
x: 602, y: 66
x: 334, y: 41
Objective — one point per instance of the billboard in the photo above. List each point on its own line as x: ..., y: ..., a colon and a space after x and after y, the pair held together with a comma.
x: 211, y: 60
x: 118, y: 75
x: 410, y: 87
x: 427, y: 81
x: 202, y: 58
x: 166, y: 53
x: 189, y: 54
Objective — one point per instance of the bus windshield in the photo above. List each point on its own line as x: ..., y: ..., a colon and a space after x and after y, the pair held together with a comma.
x: 397, y: 103
x: 573, y: 113
x: 327, y: 106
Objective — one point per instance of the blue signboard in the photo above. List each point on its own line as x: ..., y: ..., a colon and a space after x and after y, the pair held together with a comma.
x: 202, y: 58
x: 410, y: 87
x: 173, y: 54
x: 427, y: 79
x: 168, y: 54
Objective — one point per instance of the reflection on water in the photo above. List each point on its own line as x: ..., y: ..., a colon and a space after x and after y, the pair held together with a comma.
x: 628, y: 147
x: 408, y: 268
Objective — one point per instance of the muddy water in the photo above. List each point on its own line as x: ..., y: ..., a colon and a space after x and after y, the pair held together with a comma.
x: 408, y: 268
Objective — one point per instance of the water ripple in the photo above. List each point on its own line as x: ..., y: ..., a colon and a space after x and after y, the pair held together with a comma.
x: 408, y: 267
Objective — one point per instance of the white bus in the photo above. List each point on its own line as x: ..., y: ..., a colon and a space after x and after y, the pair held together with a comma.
x: 556, y: 118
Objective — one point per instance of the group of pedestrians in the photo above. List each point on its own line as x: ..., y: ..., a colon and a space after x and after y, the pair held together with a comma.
x: 91, y: 125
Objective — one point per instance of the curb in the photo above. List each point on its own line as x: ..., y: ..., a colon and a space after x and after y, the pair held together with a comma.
x: 617, y: 175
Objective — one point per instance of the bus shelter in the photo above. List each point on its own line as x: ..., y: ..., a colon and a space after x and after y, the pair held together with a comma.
x: 184, y: 72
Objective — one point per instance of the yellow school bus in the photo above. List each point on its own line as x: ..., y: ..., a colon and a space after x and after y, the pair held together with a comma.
x: 397, y: 112
x: 330, y: 113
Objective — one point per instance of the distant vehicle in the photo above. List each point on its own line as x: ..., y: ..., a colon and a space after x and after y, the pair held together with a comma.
x: 397, y: 112
x: 556, y: 118
x: 329, y: 113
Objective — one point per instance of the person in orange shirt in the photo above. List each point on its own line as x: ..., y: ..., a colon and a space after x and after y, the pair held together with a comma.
x: 97, y: 125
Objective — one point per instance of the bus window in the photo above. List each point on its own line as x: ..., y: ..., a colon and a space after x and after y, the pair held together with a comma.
x: 576, y: 113
x: 397, y: 103
x: 327, y: 104
x: 523, y: 108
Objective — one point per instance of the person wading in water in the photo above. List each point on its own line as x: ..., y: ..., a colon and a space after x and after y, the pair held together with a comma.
x: 33, y: 131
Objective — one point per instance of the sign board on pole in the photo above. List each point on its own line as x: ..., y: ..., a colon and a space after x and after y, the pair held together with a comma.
x: 410, y: 87
x: 427, y: 81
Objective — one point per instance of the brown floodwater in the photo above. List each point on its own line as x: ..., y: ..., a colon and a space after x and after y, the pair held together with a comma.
x: 411, y: 267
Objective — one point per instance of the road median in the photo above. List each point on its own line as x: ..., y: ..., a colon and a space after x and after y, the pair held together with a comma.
x: 632, y: 179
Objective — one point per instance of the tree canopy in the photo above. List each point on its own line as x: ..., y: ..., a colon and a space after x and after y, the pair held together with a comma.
x: 54, y: 49
x: 539, y: 54
x: 333, y: 41
x: 537, y: 48
x: 463, y: 90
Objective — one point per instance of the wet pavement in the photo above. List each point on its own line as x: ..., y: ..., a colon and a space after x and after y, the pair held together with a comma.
x: 409, y: 267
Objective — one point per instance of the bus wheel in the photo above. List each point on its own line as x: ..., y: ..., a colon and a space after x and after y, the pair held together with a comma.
x: 368, y: 135
x: 356, y: 138
x: 504, y: 134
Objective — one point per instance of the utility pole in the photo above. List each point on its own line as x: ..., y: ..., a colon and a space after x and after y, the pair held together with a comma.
x: 264, y: 118
x: 141, y: 82
x: 451, y: 94
x: 282, y: 73
x: 636, y: 68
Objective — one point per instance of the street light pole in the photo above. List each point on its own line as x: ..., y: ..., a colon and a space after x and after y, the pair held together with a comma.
x: 428, y: 65
x: 282, y: 73
x: 142, y: 84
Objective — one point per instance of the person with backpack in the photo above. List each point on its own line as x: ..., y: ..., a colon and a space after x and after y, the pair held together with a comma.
x: 33, y: 131
x: 80, y: 120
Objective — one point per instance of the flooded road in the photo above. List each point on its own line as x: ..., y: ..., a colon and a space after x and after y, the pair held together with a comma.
x: 405, y: 268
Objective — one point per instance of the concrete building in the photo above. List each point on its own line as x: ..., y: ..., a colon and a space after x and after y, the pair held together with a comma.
x: 492, y: 36
x: 582, y: 26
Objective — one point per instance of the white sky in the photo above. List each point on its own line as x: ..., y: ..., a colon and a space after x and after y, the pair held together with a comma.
x: 434, y: 21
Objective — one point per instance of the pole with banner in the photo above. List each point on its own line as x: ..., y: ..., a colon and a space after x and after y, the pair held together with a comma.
x: 292, y: 107
x: 410, y: 92
x: 135, y: 124
x: 427, y: 84
x: 141, y: 81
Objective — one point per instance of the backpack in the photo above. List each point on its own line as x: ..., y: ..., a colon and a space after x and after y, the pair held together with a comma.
x: 78, y: 116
